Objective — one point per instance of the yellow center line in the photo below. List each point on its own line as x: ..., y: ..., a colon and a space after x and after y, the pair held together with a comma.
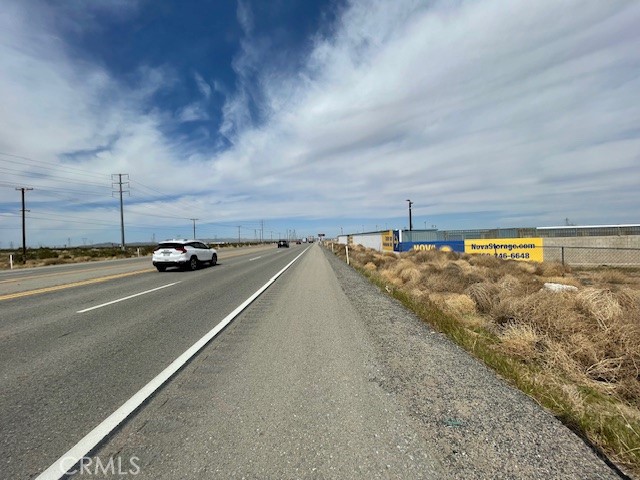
x: 59, y: 274
x: 71, y: 285
x: 90, y: 281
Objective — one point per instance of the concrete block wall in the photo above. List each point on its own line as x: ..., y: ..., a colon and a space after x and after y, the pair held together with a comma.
x: 619, y: 251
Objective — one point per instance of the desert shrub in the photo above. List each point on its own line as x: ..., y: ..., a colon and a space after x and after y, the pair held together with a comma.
x: 601, y: 305
x: 629, y: 301
x: 527, y: 268
x: 488, y: 261
x: 612, y: 276
x: 460, y: 304
x: 382, y: 261
x: 405, y: 270
x: 420, y: 256
x: 484, y: 294
x: 521, y: 341
x: 453, y: 303
x: 552, y: 269
x: 42, y: 254
x: 391, y: 278
x: 54, y: 261
x: 370, y: 266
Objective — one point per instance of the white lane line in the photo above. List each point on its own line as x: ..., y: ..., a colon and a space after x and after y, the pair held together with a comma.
x: 255, y: 258
x: 127, y: 298
x: 65, y: 463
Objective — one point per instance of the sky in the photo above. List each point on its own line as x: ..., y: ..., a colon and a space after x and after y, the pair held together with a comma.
x: 319, y: 116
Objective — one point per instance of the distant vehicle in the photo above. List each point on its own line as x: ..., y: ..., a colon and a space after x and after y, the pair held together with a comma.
x: 283, y: 244
x: 189, y: 254
x: 298, y: 242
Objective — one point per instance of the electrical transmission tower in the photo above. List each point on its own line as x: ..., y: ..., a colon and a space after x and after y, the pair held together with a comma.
x: 121, y: 185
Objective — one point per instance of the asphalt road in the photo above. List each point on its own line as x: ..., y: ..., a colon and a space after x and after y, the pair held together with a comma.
x: 63, y: 372
x: 321, y: 377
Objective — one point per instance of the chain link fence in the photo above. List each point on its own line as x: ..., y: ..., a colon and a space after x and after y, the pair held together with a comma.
x: 577, y: 256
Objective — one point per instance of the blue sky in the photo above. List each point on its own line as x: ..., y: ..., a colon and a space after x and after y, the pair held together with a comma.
x: 316, y: 116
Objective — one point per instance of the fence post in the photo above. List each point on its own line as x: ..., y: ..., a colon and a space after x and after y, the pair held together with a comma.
x: 346, y: 249
x: 562, y: 253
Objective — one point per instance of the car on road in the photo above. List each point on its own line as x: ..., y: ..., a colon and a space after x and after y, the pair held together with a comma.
x: 189, y: 254
x: 283, y: 244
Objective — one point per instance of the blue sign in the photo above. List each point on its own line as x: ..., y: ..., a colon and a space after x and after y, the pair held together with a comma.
x: 453, y: 246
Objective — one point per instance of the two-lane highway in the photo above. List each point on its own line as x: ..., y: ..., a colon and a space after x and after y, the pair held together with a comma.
x: 70, y: 357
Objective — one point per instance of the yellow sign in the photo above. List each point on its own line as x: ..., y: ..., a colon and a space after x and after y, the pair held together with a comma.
x: 387, y: 241
x: 527, y: 249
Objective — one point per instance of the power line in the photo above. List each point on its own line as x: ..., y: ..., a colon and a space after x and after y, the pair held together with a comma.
x: 22, y: 173
x: 59, y: 166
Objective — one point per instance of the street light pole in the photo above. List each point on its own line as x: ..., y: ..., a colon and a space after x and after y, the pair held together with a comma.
x: 410, y: 221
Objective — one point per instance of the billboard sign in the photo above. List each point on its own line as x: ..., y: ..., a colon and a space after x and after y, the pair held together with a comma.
x: 527, y: 249
x: 387, y: 241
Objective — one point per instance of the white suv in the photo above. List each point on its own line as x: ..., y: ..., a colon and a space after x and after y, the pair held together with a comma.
x: 185, y: 253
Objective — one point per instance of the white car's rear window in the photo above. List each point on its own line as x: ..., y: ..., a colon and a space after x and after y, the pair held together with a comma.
x: 170, y: 245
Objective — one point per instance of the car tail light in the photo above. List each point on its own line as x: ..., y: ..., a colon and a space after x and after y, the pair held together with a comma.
x: 181, y: 249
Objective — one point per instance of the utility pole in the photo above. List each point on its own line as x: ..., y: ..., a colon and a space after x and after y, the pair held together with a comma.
x: 239, y: 233
x: 194, y: 226
x: 24, y: 231
x: 120, y: 184
x: 410, y: 221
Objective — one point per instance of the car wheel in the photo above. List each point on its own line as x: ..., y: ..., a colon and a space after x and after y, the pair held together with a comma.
x: 161, y: 268
x: 193, y: 263
x: 214, y: 259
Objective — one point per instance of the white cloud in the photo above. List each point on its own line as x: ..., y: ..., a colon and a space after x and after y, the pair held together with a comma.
x: 471, y: 108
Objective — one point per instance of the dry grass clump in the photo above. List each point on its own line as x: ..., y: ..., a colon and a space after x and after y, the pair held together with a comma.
x: 629, y: 301
x: 600, y: 305
x: 521, y: 341
x: 370, y: 266
x: 452, y: 278
x: 488, y: 261
x: 485, y: 295
x: 422, y: 256
x: 612, y: 276
x: 405, y: 270
x: 454, y: 303
x: 552, y: 269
